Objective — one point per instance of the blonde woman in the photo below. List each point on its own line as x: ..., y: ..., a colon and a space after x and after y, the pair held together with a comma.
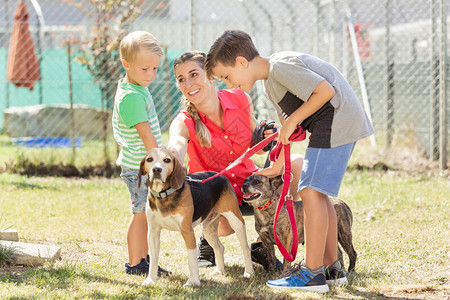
x: 214, y: 129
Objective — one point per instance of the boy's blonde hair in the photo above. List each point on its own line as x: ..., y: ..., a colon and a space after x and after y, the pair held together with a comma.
x: 201, y: 131
x: 132, y: 42
x: 231, y: 44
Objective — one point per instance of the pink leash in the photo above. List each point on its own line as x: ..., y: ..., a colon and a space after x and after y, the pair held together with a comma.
x: 298, y: 135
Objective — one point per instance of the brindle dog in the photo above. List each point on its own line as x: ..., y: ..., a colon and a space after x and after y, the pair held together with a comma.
x: 261, y: 193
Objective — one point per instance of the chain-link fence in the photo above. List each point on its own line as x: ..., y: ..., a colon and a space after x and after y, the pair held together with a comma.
x: 392, y: 52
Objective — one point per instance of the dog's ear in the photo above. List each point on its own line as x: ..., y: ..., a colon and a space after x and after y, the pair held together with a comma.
x: 141, y: 170
x: 276, y: 181
x: 177, y: 177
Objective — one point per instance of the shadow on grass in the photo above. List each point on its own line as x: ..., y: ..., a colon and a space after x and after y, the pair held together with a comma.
x: 358, y: 280
x: 24, y: 185
x: 231, y: 286
x: 70, y: 278
x: 379, y: 166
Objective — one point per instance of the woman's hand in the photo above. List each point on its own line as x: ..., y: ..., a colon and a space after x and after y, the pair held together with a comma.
x: 272, y: 171
x: 269, y: 132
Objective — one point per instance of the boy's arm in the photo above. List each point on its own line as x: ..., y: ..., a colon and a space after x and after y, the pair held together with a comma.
x: 178, y: 139
x: 321, y: 95
x: 145, y: 132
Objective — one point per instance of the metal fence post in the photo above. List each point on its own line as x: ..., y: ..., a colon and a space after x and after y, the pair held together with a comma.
x: 251, y: 19
x: 317, y: 30
x: 7, y: 31
x: 360, y: 70
x: 345, y: 50
x: 191, y: 25
x: 389, y: 77
x: 72, y: 116
x: 443, y: 91
x: 332, y: 49
x: 291, y: 11
x: 271, y: 29
x: 41, y: 24
x: 434, y: 92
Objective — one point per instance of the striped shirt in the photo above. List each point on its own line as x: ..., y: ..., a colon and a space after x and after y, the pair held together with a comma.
x: 133, y: 104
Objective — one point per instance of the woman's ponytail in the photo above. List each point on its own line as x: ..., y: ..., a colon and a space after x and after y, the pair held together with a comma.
x: 201, y: 131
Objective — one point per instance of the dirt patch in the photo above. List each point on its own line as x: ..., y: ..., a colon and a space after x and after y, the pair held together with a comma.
x: 400, y: 160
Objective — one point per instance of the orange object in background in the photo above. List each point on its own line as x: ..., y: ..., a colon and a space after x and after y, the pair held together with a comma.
x: 23, y: 65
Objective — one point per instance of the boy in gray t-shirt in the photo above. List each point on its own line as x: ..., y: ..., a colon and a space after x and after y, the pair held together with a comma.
x: 311, y: 92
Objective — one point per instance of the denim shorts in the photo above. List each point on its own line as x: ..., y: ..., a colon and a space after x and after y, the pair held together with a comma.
x: 324, y: 168
x: 138, y: 196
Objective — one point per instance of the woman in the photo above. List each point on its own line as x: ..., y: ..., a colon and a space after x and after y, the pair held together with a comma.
x: 214, y: 129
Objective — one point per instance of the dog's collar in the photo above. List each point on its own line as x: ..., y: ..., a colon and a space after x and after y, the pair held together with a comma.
x: 266, y: 205
x: 163, y: 194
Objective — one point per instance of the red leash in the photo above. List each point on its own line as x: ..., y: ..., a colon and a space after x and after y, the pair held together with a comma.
x: 246, y: 155
x: 298, y: 135
x: 284, y: 197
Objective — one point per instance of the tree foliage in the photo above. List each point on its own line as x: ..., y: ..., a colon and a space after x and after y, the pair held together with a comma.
x: 110, y: 22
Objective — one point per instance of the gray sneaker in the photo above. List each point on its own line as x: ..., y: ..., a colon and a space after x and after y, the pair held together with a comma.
x: 334, y: 275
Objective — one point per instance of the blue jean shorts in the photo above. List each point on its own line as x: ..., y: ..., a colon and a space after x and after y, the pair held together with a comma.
x: 138, y: 195
x: 324, y: 169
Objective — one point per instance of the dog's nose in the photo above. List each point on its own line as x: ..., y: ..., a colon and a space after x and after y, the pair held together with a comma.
x: 244, y: 186
x: 157, y: 170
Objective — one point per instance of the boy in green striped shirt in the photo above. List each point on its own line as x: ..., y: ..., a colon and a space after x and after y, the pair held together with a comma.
x: 136, y: 129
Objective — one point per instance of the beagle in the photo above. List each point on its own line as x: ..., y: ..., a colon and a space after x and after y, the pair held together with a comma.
x: 178, y: 203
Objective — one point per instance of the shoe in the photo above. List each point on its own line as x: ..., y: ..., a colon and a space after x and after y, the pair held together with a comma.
x: 161, y: 271
x: 206, y: 257
x: 259, y: 256
x: 334, y: 275
x: 140, y: 269
x: 302, y: 279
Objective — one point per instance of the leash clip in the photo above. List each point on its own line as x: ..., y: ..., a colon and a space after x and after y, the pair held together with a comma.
x: 193, y: 180
x: 289, y: 201
x: 289, y: 197
x: 291, y: 177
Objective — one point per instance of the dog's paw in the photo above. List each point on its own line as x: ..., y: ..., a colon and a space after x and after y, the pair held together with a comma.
x: 192, y: 282
x: 149, y: 281
x: 218, y: 272
x: 248, y: 274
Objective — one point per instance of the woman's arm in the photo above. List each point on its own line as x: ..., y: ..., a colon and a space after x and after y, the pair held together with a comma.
x: 178, y: 139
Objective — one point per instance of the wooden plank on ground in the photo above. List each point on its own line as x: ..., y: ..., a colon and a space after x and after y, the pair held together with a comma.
x: 9, y: 235
x: 31, y: 254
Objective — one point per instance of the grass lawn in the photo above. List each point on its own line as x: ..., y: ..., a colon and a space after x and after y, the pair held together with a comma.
x: 401, y: 234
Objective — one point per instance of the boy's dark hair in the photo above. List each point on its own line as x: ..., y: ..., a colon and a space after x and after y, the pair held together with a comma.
x: 231, y: 44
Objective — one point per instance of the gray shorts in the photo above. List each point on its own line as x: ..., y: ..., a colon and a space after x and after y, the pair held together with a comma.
x: 324, y: 168
x: 138, y: 195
